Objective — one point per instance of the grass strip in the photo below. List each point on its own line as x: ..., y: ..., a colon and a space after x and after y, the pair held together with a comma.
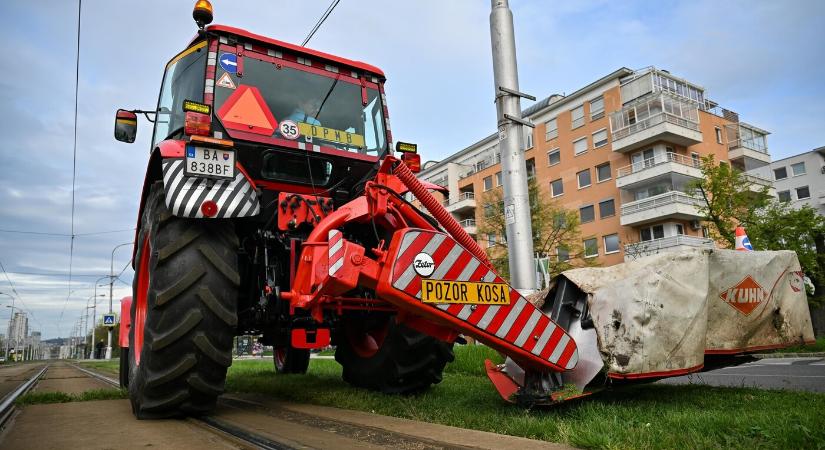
x: 818, y: 346
x: 645, y: 416
x: 39, y: 398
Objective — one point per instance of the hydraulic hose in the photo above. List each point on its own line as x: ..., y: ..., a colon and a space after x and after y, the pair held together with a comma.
x: 438, y: 211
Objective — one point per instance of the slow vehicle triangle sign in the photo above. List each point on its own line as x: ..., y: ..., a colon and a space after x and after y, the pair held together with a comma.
x: 246, y: 110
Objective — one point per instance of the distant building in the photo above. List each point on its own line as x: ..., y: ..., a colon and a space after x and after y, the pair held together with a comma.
x: 621, y: 151
x: 18, y: 330
x: 800, y: 179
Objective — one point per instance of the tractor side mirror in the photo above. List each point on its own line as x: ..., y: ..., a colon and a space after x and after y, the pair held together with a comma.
x: 125, y: 126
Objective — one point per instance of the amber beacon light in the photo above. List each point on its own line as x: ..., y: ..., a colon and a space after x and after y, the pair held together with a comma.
x: 202, y: 13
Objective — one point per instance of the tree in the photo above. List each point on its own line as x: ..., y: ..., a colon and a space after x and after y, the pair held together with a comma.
x: 729, y: 199
x: 555, y: 229
x: 778, y: 226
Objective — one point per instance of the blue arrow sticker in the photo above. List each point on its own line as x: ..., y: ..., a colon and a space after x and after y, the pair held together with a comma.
x: 229, y: 62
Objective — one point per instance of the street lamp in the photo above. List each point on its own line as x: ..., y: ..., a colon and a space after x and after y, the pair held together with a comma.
x: 94, y: 308
x: 111, y: 284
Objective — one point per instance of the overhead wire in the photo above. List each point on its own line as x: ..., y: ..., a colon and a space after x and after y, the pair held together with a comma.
x: 74, y: 157
x: 43, y: 233
x: 19, y: 298
x: 320, y: 21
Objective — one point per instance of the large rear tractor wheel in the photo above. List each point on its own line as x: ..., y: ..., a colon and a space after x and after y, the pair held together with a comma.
x: 389, y: 357
x: 183, y: 313
x: 291, y: 360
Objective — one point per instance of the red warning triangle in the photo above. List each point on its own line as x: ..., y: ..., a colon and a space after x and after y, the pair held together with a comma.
x: 246, y: 110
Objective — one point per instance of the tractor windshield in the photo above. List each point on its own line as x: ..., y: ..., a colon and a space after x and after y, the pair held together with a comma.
x: 288, y: 103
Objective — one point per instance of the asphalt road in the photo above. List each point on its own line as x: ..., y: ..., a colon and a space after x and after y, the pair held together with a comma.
x: 798, y: 374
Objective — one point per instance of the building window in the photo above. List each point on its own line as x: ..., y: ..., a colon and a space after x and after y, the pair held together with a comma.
x: 780, y: 173
x: 651, y: 233
x: 489, y: 210
x: 697, y: 162
x: 718, y: 135
x: 580, y: 146
x: 551, y: 129
x: 563, y: 254
x: 607, y: 208
x: 531, y: 168
x: 603, y: 172
x: 491, y: 240
x: 587, y: 214
x: 584, y: 178
x: 488, y: 183
x: 611, y: 244
x: 803, y: 193
x: 798, y: 168
x: 784, y: 196
x: 553, y: 157
x: 556, y: 188
x: 597, y: 108
x: 529, y: 138
x: 591, y: 248
x: 600, y: 138
x: 498, y: 179
x: 577, y: 116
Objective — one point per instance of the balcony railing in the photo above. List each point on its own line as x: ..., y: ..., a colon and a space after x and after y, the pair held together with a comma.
x: 668, y: 157
x: 462, y: 196
x: 646, y: 248
x: 667, y: 198
x: 757, y: 145
x: 653, y: 121
x: 466, y: 223
x: 759, y: 180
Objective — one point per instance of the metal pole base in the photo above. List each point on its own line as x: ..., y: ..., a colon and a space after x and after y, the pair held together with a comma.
x: 108, y: 352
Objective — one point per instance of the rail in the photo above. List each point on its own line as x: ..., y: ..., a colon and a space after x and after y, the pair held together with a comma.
x: 216, y: 425
x: 461, y: 197
x: 468, y: 223
x: 7, y: 404
x: 652, y: 121
x: 660, y: 200
x: 668, y: 157
x: 756, y: 179
x: 750, y: 144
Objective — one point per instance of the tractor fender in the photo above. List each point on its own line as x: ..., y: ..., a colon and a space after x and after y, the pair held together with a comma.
x: 125, y: 321
x: 235, y: 198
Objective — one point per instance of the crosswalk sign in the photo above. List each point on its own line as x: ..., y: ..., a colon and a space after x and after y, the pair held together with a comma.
x: 109, y: 320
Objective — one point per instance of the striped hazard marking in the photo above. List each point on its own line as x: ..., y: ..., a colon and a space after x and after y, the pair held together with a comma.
x: 519, y: 323
x: 335, y: 252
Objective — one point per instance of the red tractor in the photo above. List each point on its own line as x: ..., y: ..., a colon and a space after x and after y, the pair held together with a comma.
x: 273, y: 205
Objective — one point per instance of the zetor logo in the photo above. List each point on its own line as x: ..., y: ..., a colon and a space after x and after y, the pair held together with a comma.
x: 745, y: 296
x: 423, y: 264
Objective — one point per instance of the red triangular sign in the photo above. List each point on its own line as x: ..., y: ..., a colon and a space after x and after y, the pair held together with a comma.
x: 246, y: 110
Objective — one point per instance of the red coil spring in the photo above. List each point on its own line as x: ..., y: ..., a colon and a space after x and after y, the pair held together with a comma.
x: 441, y: 215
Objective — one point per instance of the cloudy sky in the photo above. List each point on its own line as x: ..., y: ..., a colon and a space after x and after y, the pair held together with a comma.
x: 762, y: 59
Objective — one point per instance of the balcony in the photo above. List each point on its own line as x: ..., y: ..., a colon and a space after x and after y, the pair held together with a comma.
x: 662, y: 166
x: 465, y: 202
x: 758, y: 183
x: 662, y: 117
x: 670, y: 205
x: 469, y: 226
x: 669, y: 244
x: 747, y: 146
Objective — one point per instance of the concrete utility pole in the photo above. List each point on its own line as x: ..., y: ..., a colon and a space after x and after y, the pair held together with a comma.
x: 514, y: 167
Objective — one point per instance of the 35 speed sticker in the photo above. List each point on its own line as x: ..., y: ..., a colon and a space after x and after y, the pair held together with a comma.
x: 471, y: 292
x: 289, y: 130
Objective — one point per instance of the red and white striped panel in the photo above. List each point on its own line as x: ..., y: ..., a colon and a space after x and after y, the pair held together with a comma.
x: 519, y: 323
x: 335, y: 252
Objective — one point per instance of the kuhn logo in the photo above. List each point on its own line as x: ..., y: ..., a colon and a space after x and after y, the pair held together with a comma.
x: 423, y: 264
x: 745, y: 296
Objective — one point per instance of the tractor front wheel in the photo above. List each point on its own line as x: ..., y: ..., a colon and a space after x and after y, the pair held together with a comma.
x: 389, y: 357
x: 185, y: 295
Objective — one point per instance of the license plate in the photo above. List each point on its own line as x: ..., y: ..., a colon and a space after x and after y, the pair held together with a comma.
x: 210, y: 162
x: 470, y: 292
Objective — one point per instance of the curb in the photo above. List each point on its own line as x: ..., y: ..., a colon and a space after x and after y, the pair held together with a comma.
x: 789, y: 355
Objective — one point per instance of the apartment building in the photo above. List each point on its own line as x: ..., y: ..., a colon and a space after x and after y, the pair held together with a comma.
x: 800, y: 179
x: 621, y: 151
